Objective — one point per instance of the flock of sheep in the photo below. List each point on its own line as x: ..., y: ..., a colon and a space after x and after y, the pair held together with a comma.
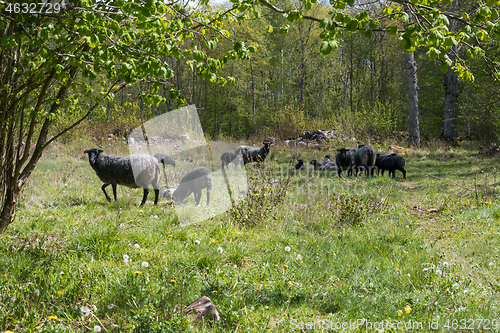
x: 143, y: 171
x: 363, y: 158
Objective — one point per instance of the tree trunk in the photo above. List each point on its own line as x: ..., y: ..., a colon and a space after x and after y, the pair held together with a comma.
x: 254, y: 111
x: 450, y: 100
x: 411, y: 76
x: 413, y: 126
x: 450, y: 84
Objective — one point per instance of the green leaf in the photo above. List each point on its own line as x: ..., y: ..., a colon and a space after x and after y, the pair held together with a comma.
x: 339, y: 17
x: 324, y: 23
x: 373, y: 24
x: 327, y: 46
x: 433, y: 53
x: 449, y: 42
x: 387, y: 10
x: 238, y: 46
x: 368, y: 34
x: 393, y: 31
x: 252, y: 49
x: 405, y: 17
x: 270, y: 29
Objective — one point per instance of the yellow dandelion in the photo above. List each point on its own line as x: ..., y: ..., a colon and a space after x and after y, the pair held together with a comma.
x: 286, y: 266
x: 51, y: 317
x: 10, y: 318
x: 290, y: 282
x: 60, y: 292
x: 400, y: 313
x: 170, y: 236
x: 173, y: 281
x: 8, y: 332
x: 407, y: 309
x: 137, y: 272
x: 215, y: 291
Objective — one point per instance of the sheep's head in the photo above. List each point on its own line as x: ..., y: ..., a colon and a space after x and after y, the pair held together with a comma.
x: 167, y: 194
x: 93, y: 153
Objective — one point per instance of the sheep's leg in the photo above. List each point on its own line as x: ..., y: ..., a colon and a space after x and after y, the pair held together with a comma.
x: 114, y: 191
x: 339, y: 171
x: 157, y: 193
x: 208, y: 196
x: 103, y: 188
x: 145, y: 196
x: 197, y: 197
x: 404, y: 172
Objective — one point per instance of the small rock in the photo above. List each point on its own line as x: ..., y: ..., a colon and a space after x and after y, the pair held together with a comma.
x: 202, y: 308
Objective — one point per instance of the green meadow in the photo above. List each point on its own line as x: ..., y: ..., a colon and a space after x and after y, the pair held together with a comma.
x: 303, y: 252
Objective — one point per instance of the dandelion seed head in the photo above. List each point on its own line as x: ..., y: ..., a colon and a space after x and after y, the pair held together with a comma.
x: 125, y: 257
x: 287, y: 248
x: 85, y: 310
x: 136, y: 246
x: 220, y: 249
x: 439, y: 272
x: 197, y: 242
x: 145, y: 264
x: 97, y: 328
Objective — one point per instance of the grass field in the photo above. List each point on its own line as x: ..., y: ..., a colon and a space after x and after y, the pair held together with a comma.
x: 310, y: 252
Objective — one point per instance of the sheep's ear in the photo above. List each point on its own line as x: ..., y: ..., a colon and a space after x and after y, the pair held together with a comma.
x: 100, y: 150
x: 86, y: 151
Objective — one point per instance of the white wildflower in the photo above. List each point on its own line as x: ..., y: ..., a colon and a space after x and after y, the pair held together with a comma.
x: 145, y: 264
x: 97, y: 328
x: 287, y: 248
x: 111, y: 306
x: 491, y: 264
x: 136, y: 246
x: 220, y: 249
x: 197, y: 242
x: 446, y: 264
x: 85, y: 310
x: 299, y: 257
x: 439, y: 272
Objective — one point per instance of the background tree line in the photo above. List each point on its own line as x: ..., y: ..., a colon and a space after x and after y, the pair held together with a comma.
x: 359, y: 88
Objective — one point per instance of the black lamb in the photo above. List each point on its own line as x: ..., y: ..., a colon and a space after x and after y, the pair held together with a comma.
x: 345, y: 160
x: 392, y: 163
x: 300, y: 165
x: 192, y: 182
x: 253, y: 154
x: 165, y: 159
x: 229, y: 157
x: 329, y: 165
x: 134, y: 171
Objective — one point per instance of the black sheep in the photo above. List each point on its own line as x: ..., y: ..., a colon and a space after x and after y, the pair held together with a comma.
x: 192, y: 182
x: 345, y: 160
x: 300, y: 165
x: 253, y: 154
x: 364, y: 158
x: 134, y: 171
x: 392, y: 163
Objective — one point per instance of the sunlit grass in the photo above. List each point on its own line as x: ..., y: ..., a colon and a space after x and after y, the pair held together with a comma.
x: 421, y: 249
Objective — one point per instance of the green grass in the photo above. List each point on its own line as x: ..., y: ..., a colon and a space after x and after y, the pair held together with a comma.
x: 358, y: 249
